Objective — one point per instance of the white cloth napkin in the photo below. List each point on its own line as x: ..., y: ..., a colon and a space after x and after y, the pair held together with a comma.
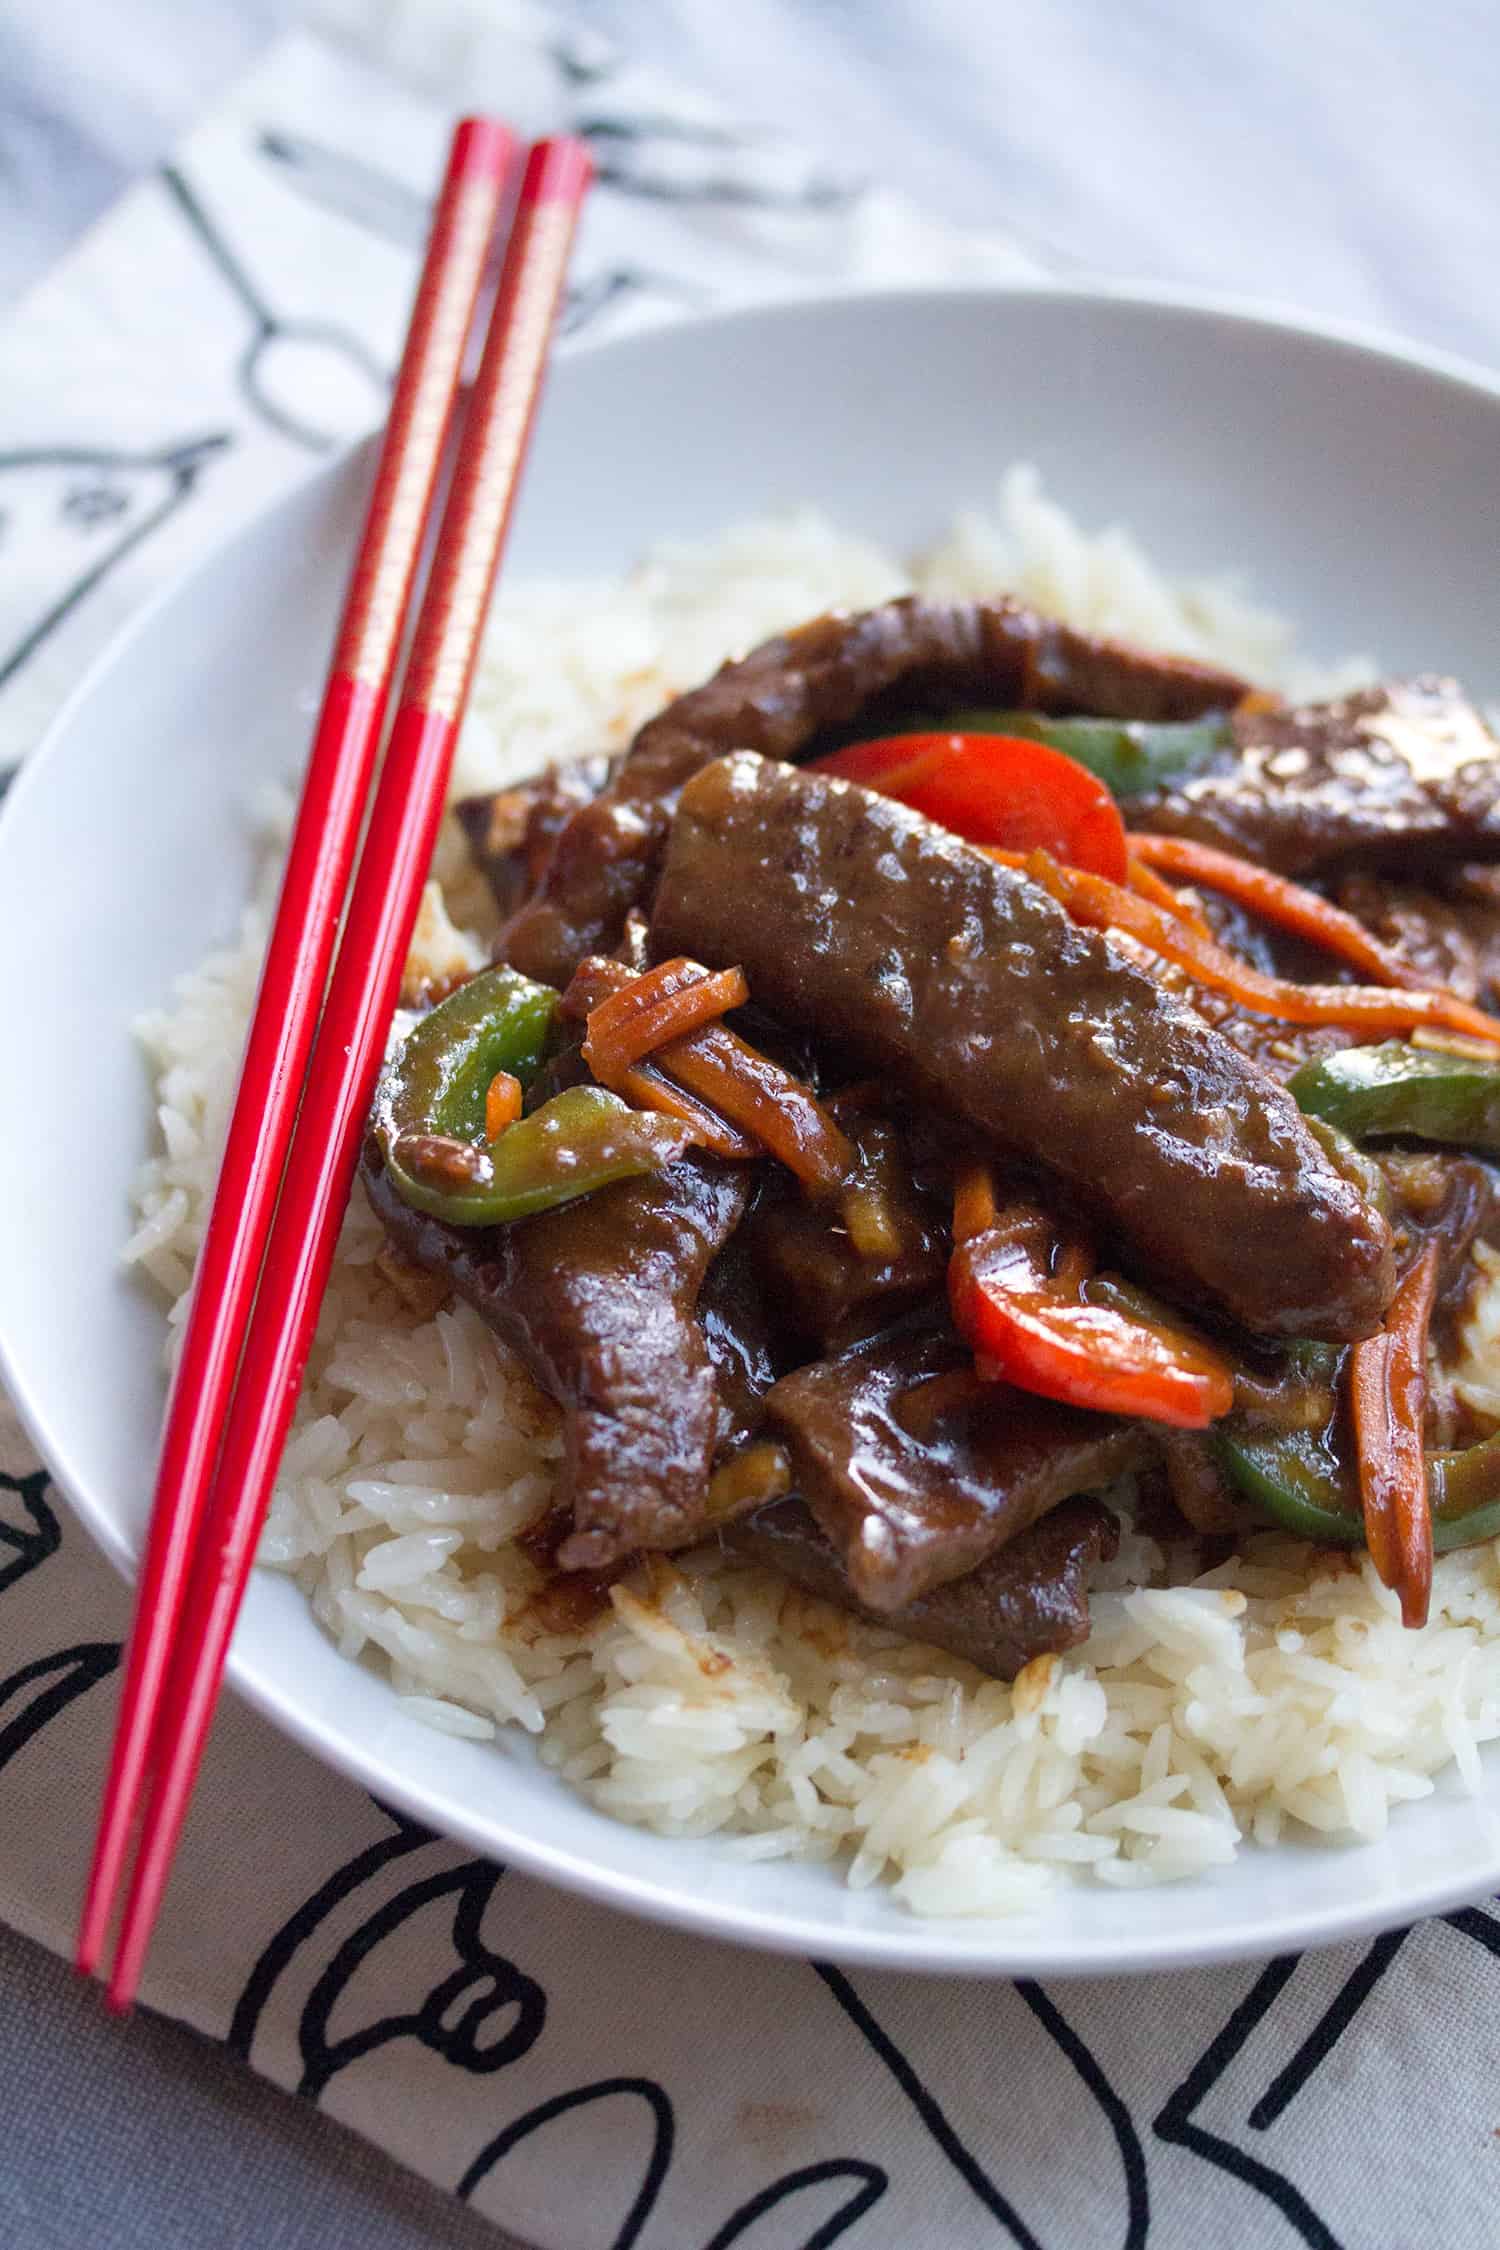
x: 585, y: 2080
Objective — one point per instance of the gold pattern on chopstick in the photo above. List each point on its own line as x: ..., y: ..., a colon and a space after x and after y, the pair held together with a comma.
x: 371, y: 622
x: 485, y: 479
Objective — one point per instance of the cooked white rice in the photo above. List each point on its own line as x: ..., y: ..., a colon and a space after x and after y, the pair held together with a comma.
x: 1279, y: 1690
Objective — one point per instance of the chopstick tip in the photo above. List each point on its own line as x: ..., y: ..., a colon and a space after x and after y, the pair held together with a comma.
x: 483, y: 148
x: 558, y: 170
x: 93, y: 1921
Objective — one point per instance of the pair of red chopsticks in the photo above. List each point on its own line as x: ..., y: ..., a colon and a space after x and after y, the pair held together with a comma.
x: 259, y: 1285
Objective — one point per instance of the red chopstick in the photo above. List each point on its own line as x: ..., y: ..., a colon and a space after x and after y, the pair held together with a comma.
x: 361, y: 999
x: 334, y: 795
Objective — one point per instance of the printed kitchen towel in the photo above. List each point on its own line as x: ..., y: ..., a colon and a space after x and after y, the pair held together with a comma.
x: 593, y: 2083
x: 237, y: 316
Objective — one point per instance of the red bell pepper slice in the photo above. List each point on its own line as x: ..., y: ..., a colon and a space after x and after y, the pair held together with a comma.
x: 995, y: 789
x: 1017, y: 1301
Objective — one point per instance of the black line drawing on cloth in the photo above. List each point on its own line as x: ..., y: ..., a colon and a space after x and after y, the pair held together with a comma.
x: 58, y: 1679
x: 483, y: 2015
x: 927, y: 2107
x: 387, y: 207
x: 287, y: 364
x: 873, y: 2179
x: 280, y: 1950
x: 660, y: 125
x: 1132, y: 2155
x: 587, y: 299
x: 1175, y: 2122
x: 31, y: 1540
x: 584, y: 57
x: 662, y: 159
x: 1474, y: 1922
x: 70, y: 513
x: 1328, y: 2030
x: 684, y: 156
x: 688, y: 154
x: 581, y: 2097
x: 347, y: 187
x: 1116, y: 2115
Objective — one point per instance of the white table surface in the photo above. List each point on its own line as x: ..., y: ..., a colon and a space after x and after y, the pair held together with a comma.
x: 1338, y: 157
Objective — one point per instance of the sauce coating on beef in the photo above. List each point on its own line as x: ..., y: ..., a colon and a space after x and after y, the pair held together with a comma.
x: 829, y: 673
x: 972, y: 988
x: 1029, y: 1600
x: 1393, y: 776
x: 599, y: 1298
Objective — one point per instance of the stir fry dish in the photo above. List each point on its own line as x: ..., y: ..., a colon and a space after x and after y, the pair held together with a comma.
x: 950, y: 1065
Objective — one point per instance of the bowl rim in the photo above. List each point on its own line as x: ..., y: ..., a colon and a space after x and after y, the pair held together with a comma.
x: 959, y: 1948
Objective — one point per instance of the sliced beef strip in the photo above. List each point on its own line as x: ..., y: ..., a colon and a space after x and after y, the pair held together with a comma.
x: 599, y: 1299
x: 1446, y: 1196
x: 969, y: 985
x: 1450, y: 936
x: 512, y: 833
x: 911, y: 1499
x: 1392, y: 776
x: 826, y: 674
x: 1196, y: 1485
x: 827, y: 1294
x: 1450, y: 933
x: 740, y: 1335
x: 1029, y: 1600
x: 1476, y: 884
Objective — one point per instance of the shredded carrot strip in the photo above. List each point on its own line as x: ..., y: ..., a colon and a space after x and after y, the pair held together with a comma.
x: 1388, y: 1392
x: 593, y: 981
x: 644, y: 1085
x: 666, y: 1003
x: 752, y: 1103
x: 973, y: 1201
x: 1146, y: 883
x: 1360, y: 1007
x: 1277, y: 900
x: 761, y: 1098
x: 502, y: 1104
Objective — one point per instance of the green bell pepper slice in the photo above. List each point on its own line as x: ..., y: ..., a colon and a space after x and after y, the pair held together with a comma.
x: 582, y: 1140
x: 1422, y: 1092
x: 1127, y: 755
x: 437, y: 1080
x: 1298, y: 1479
x: 429, y: 1114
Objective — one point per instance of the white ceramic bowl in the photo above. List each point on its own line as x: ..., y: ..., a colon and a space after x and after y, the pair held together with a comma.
x: 1359, y: 488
